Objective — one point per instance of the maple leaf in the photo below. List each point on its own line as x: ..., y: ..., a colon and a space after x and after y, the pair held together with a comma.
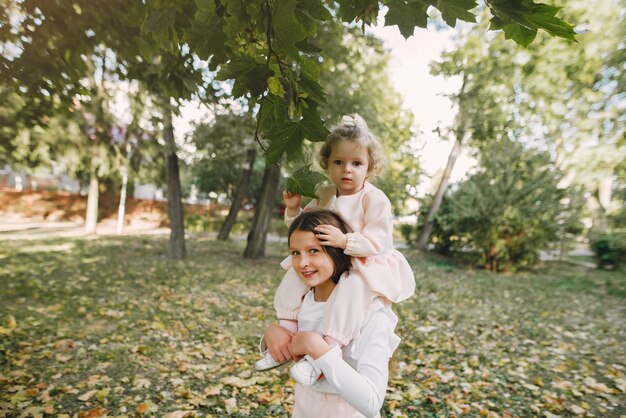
x: 407, y: 15
x: 520, y: 20
x: 304, y: 181
x: 286, y: 28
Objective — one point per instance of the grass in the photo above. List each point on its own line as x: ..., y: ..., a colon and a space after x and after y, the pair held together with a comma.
x: 110, y: 326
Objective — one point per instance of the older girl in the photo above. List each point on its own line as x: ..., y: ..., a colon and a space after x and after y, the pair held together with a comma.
x: 355, y: 376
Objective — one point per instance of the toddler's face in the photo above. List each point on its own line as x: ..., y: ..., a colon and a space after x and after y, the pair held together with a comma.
x: 348, y: 166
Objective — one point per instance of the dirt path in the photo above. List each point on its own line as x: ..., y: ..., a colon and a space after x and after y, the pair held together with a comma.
x: 15, y: 227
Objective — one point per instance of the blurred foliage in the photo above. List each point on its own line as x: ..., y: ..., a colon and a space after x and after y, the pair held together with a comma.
x: 610, y: 249
x: 509, y: 210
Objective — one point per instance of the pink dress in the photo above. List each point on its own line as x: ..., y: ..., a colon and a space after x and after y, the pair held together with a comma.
x: 377, y: 268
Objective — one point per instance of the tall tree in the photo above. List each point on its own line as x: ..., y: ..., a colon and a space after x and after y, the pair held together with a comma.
x: 574, y: 101
x: 224, y: 160
x: 485, y: 101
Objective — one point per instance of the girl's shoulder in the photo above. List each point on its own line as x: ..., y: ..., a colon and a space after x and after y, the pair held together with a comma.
x: 373, y: 193
x: 325, y: 190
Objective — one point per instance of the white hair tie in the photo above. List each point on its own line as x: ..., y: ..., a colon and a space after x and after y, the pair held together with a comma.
x: 353, y: 121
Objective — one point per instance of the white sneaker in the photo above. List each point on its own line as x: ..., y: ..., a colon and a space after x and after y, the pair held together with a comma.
x: 306, y: 372
x: 267, y: 362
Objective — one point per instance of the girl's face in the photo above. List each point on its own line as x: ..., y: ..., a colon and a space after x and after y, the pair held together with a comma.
x: 312, y: 264
x: 348, y: 166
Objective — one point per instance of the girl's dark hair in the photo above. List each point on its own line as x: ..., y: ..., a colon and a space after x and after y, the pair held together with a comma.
x: 307, y: 221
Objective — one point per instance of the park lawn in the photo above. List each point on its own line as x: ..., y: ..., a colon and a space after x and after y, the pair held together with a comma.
x: 109, y: 326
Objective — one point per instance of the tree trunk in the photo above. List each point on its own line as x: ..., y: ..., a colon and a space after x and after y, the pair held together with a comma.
x: 598, y: 206
x: 121, y: 211
x: 176, y: 248
x: 424, y: 235
x: 91, y: 217
x: 242, y: 187
x: 263, y: 214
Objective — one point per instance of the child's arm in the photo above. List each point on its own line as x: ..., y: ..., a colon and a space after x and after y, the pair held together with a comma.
x: 292, y: 206
x: 376, y: 235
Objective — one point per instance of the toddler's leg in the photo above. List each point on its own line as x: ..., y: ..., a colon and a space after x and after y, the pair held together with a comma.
x: 346, y: 308
x: 289, y: 325
x: 287, y: 302
x: 288, y: 297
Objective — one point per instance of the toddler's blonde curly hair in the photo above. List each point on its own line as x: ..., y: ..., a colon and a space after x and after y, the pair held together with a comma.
x: 353, y: 128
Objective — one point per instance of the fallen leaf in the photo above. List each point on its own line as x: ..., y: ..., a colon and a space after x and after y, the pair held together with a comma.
x: 231, y: 405
x: 87, y: 395
x: 179, y: 414
x: 142, y: 408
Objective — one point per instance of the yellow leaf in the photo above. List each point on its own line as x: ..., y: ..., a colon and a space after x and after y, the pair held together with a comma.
x: 179, y: 414
x: 102, y: 394
x: 87, y: 395
x: 142, y: 408
x: 11, y: 322
x: 231, y: 405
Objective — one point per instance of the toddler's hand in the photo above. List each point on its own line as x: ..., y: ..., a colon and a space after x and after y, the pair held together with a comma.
x: 278, y: 339
x: 292, y: 200
x: 331, y: 236
x: 308, y: 343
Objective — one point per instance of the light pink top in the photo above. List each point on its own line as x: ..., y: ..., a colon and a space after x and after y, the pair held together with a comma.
x: 368, y: 214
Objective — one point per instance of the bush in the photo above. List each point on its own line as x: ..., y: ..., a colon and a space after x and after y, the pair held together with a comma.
x: 408, y: 232
x: 509, y: 210
x: 610, y: 249
x: 196, y: 223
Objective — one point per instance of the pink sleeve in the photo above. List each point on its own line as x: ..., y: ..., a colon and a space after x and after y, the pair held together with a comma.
x: 376, y: 235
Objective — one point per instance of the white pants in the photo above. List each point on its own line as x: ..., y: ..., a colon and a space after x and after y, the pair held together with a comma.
x: 313, y: 404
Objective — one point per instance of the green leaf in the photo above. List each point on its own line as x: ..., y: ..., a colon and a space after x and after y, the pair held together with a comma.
x: 310, y: 69
x: 206, y: 35
x: 451, y: 10
x: 313, y: 89
x: 160, y: 20
x: 313, y: 124
x: 407, y: 15
x: 520, y: 20
x: 521, y: 35
x: 304, y: 181
x: 281, y: 136
x: 287, y: 137
x: 351, y: 9
x: 286, y: 28
x: 275, y: 86
x: 250, y: 75
x: 315, y: 10
x: 308, y: 46
x: 545, y: 18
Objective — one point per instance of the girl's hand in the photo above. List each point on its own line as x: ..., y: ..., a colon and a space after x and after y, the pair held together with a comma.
x: 310, y: 343
x: 292, y: 200
x: 278, y: 339
x: 331, y: 236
